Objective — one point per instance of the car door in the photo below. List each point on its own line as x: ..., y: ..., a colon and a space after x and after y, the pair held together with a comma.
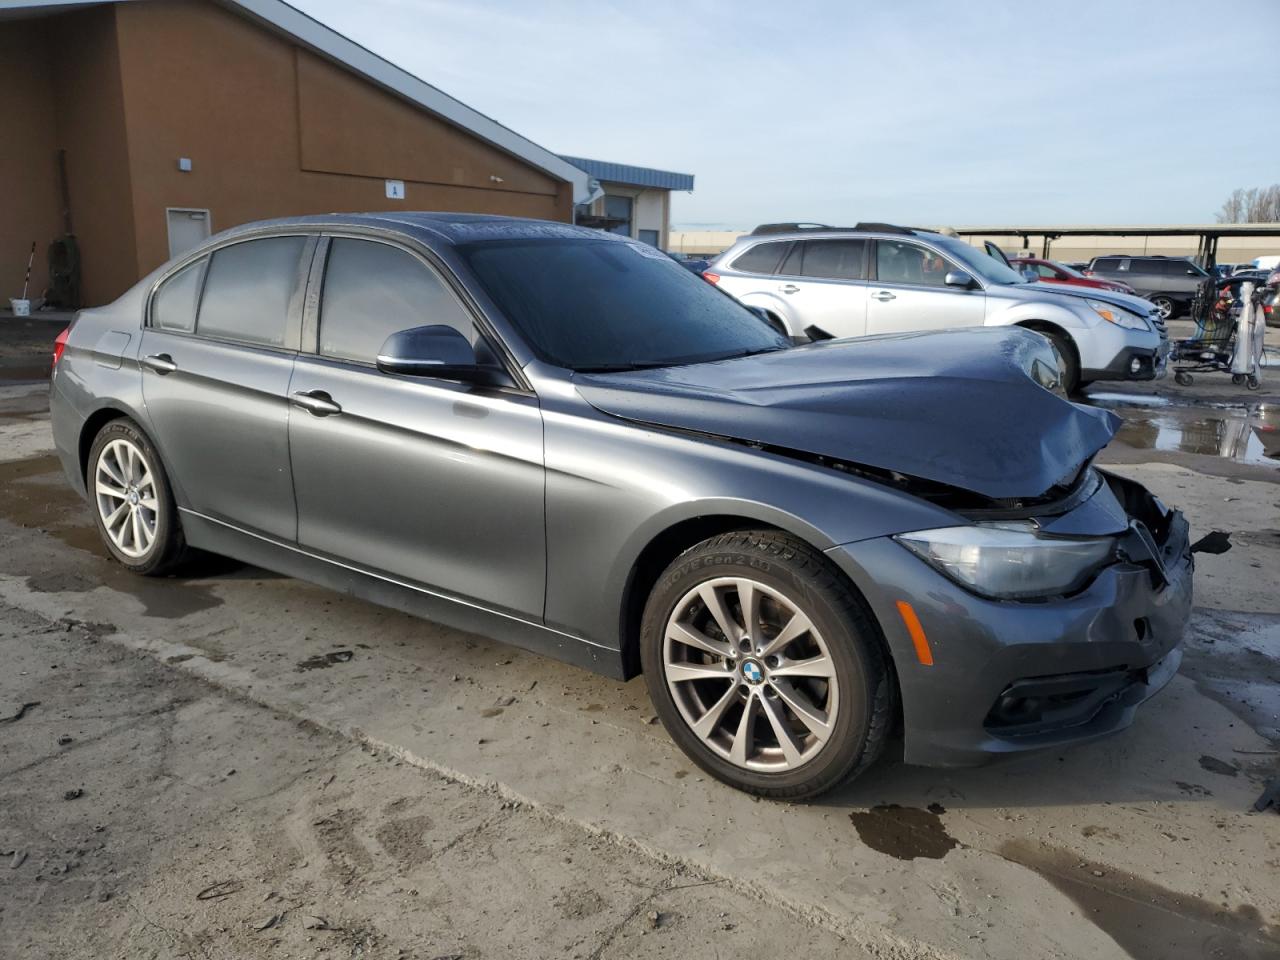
x: 1182, y: 277
x: 824, y: 284
x: 434, y: 482
x: 217, y: 354
x: 908, y: 291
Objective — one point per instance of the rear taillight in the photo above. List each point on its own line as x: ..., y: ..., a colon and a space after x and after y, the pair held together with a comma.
x: 1088, y: 273
x: 711, y: 278
x: 60, y: 344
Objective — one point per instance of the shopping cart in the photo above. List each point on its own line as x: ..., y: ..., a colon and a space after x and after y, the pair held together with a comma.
x: 1216, y: 309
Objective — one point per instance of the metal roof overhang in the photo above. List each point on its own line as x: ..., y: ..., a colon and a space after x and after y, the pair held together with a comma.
x: 631, y: 175
x: 1185, y: 230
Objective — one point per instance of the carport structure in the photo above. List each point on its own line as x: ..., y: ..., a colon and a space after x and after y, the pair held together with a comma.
x: 1206, y: 251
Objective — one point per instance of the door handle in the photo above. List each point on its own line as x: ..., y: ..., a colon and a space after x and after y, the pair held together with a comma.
x: 161, y: 363
x: 884, y: 296
x: 789, y: 288
x: 316, y: 402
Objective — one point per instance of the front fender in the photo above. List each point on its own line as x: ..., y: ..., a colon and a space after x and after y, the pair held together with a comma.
x: 614, y: 487
x: 1067, y: 317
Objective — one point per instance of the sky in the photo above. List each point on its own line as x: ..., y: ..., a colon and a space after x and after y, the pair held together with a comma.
x: 905, y: 111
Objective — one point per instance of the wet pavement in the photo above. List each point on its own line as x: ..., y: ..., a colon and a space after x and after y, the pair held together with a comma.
x: 1244, y: 432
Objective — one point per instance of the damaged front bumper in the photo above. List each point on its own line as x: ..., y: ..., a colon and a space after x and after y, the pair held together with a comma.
x: 1012, y: 676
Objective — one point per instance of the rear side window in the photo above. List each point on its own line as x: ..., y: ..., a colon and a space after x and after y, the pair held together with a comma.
x: 762, y: 258
x: 249, y: 288
x: 1107, y: 263
x: 372, y: 290
x: 174, y: 305
x: 834, y: 259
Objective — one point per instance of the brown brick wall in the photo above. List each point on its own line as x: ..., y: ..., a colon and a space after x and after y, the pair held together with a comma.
x: 271, y: 130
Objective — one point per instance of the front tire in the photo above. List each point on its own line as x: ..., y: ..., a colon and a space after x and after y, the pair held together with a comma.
x: 765, y: 667
x: 133, y: 506
x: 1164, y: 306
x: 1069, y: 368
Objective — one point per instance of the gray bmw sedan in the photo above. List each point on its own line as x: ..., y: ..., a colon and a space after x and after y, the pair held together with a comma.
x: 562, y: 439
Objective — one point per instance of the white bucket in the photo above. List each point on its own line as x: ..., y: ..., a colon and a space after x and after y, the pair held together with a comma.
x: 21, y: 308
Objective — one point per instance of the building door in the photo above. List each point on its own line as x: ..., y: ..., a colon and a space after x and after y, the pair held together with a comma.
x: 187, y: 229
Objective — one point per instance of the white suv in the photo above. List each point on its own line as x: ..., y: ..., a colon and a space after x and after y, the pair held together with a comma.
x: 876, y: 278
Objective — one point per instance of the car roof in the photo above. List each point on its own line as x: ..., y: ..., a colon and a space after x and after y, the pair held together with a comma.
x: 795, y: 231
x: 435, y: 226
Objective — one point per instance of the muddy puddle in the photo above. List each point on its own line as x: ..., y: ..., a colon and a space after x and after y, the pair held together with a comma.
x: 1244, y: 434
x: 1148, y: 921
x: 904, y: 833
x: 38, y: 497
x: 26, y: 373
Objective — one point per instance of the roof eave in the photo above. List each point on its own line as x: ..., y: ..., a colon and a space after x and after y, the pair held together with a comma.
x: 329, y: 43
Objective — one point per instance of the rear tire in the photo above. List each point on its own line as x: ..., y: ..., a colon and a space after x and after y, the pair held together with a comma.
x: 729, y: 697
x: 133, y: 506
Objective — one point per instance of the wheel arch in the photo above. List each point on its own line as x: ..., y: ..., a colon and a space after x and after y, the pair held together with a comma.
x: 1049, y: 327
x: 90, y: 429
x: 104, y: 415
x: 667, y: 544
x: 773, y: 307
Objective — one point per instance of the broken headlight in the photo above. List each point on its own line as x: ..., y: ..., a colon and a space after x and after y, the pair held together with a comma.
x: 1009, y: 561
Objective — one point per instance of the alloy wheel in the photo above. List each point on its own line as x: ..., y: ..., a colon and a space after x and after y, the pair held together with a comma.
x: 126, y: 497
x: 1164, y: 306
x: 750, y: 674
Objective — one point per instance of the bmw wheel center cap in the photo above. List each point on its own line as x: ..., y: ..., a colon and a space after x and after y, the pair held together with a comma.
x: 752, y: 672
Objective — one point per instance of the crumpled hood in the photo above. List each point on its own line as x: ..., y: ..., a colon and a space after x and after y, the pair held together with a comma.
x: 957, y: 407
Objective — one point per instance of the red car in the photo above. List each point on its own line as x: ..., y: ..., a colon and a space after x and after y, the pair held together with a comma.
x: 1052, y: 272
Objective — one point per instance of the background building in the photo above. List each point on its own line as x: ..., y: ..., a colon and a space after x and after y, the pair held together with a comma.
x: 141, y: 127
x: 632, y: 201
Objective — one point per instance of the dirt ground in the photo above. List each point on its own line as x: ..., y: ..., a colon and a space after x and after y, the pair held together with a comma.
x: 269, y: 769
x: 150, y: 814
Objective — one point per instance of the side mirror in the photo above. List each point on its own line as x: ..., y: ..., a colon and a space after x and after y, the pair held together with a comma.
x: 1030, y: 275
x: 435, y: 351
x: 958, y: 278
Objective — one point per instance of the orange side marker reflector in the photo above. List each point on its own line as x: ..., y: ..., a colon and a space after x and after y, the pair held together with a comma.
x: 923, y: 653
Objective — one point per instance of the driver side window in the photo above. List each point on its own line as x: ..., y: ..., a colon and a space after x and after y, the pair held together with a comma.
x: 372, y: 290
x: 901, y: 262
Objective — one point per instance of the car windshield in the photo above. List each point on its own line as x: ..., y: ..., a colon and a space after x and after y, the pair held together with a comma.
x: 978, y: 261
x: 594, y: 305
x: 1070, y: 271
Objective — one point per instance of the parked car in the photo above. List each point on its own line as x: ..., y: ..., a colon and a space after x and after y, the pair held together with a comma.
x: 557, y: 437
x: 878, y: 278
x: 1047, y: 271
x: 1168, y: 282
x: 695, y: 264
